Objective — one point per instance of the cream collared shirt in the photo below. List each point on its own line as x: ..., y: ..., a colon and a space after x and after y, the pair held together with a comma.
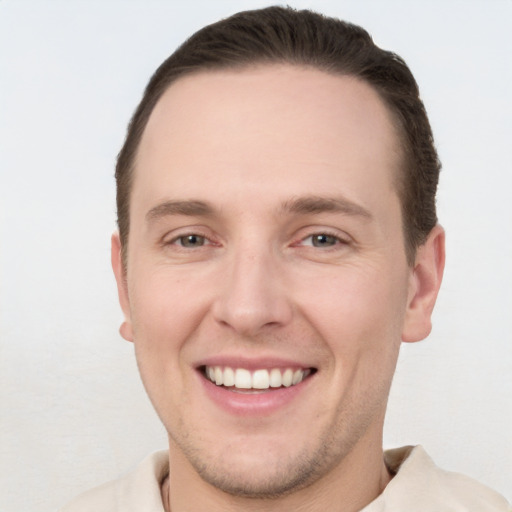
x: 419, y: 486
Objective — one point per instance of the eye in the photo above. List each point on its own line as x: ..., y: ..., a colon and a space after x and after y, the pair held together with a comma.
x: 322, y: 240
x: 190, y: 241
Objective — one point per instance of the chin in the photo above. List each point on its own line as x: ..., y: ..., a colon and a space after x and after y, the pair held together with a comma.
x: 264, y: 470
x: 256, y: 480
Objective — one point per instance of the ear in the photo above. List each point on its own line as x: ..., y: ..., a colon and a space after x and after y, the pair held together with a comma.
x: 122, y: 286
x: 424, y: 283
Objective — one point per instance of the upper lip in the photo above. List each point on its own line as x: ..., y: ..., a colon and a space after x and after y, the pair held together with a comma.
x: 252, y: 363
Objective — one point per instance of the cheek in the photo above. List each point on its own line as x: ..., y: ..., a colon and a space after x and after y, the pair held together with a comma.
x: 358, y: 312
x: 165, y: 312
x: 165, y: 306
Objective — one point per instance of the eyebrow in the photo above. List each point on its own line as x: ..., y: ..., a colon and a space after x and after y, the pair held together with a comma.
x: 319, y: 204
x: 189, y: 208
x: 301, y: 205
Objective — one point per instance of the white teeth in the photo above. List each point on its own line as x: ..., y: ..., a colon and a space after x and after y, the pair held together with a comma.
x: 242, y: 378
x: 229, y: 377
x: 287, y: 378
x: 275, y: 378
x: 260, y: 379
x: 218, y: 376
x: 297, y: 377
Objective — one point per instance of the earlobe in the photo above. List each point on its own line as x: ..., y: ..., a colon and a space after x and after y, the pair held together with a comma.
x: 122, y: 289
x: 125, y: 330
x: 424, y: 283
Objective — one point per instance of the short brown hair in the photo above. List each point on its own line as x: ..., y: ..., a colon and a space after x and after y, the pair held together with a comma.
x: 305, y: 38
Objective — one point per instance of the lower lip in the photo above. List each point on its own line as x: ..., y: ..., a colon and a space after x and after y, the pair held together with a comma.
x: 253, y: 403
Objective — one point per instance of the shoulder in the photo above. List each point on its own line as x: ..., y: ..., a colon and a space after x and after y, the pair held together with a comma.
x: 138, y: 491
x: 422, y: 486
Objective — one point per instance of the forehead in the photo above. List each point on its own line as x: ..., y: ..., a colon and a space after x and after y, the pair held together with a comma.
x: 265, y: 120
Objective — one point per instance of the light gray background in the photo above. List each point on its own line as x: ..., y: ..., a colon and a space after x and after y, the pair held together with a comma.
x: 73, y: 413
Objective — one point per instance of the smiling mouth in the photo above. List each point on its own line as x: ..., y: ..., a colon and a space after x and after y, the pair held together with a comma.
x: 240, y: 379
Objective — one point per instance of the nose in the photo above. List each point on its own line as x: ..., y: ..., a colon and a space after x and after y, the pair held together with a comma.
x: 252, y: 295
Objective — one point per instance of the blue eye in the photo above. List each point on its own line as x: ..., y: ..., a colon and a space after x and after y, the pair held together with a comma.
x: 191, y: 241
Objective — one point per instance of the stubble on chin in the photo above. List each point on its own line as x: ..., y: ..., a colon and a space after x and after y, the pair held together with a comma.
x: 271, y: 477
x: 276, y: 480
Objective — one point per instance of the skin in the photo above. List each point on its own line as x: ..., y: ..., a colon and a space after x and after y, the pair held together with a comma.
x: 249, y: 144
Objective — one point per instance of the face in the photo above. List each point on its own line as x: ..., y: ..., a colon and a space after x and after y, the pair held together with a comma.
x: 267, y: 288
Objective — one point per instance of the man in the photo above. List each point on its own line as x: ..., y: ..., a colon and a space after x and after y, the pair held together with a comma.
x: 277, y: 241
